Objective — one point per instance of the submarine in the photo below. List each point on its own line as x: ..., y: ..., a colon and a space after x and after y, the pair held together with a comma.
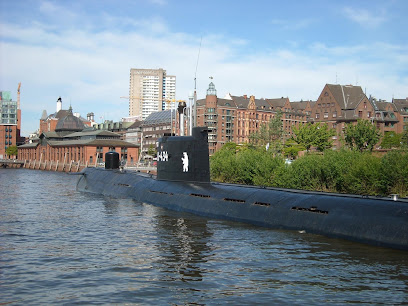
x: 183, y: 184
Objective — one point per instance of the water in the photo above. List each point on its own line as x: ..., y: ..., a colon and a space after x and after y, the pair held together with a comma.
x: 60, y: 246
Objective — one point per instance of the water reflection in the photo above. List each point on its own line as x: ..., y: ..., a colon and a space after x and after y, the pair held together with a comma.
x: 83, y: 248
x: 183, y: 244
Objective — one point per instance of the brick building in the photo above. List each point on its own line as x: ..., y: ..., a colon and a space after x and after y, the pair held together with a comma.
x: 155, y: 126
x: 401, y: 107
x: 234, y: 118
x: 73, y: 142
x: 338, y: 105
x: 48, y: 123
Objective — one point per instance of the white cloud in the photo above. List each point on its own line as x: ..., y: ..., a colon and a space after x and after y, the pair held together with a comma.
x: 90, y: 69
x: 364, y: 17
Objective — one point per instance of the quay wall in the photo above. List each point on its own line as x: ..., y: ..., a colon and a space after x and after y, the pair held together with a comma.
x: 74, y: 166
x: 54, y: 166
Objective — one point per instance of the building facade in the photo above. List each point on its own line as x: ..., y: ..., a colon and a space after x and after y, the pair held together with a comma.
x: 235, y: 118
x: 339, y: 105
x: 73, y: 142
x: 150, y: 90
x: 156, y: 126
x: 10, y: 122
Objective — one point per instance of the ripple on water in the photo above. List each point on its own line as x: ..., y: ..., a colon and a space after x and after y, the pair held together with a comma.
x: 59, y: 246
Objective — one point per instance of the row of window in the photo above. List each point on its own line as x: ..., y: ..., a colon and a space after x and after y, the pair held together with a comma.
x: 325, y: 105
x: 326, y: 115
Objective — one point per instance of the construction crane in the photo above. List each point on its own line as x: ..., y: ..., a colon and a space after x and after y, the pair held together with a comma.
x: 18, y: 95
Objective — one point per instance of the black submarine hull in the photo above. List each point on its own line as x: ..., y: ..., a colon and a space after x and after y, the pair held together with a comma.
x: 376, y: 221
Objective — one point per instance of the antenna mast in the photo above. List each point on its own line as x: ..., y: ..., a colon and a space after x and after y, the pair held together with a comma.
x: 193, y: 118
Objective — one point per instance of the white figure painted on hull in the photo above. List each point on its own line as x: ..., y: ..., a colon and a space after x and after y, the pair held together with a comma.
x: 185, y: 162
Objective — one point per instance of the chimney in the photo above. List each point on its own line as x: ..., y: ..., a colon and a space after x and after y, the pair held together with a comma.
x: 245, y: 97
x: 59, y: 104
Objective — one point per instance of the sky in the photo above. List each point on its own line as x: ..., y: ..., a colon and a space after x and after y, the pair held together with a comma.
x: 83, y: 50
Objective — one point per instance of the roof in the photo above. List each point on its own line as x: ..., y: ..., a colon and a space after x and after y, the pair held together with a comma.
x: 347, y: 96
x: 299, y: 105
x: 70, y: 123
x: 135, y: 125
x: 29, y: 145
x: 401, y: 105
x: 51, y: 135
x: 280, y: 102
x: 92, y: 133
x: 241, y: 102
x: 226, y: 103
x: 93, y: 142
x: 382, y: 105
x: 159, y: 117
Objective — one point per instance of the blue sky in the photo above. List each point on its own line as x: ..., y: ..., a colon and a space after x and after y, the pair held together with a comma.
x: 83, y: 50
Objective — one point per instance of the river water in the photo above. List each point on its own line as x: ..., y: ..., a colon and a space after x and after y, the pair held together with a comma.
x: 60, y: 246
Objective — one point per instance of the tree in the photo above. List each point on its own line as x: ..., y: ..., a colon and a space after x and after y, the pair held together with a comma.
x: 361, y: 136
x: 151, y: 151
x: 271, y: 133
x: 317, y: 135
x: 391, y: 140
x: 404, y: 137
x: 292, y: 148
x: 12, y: 151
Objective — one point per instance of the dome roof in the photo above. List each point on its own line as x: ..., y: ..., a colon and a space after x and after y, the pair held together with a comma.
x: 69, y: 123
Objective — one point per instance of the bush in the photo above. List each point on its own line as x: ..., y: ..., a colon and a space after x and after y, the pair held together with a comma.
x: 343, y: 171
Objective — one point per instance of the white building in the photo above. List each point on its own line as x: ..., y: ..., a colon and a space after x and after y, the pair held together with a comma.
x: 150, y: 90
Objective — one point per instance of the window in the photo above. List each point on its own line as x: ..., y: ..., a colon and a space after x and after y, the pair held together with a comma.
x: 368, y: 114
x: 360, y: 114
x: 334, y: 115
x: 326, y: 115
x: 317, y: 115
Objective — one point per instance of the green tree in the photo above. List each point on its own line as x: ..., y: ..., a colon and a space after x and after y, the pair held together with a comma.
x: 317, y: 135
x: 271, y: 133
x: 292, y: 148
x: 12, y: 151
x: 152, y: 150
x: 391, y: 140
x: 404, y: 137
x: 361, y: 136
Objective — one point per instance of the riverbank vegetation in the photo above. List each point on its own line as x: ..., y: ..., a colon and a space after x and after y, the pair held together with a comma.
x: 352, y: 169
x: 343, y: 171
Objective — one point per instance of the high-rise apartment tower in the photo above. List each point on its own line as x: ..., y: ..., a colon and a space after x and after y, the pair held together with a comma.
x: 10, y: 121
x: 150, y: 90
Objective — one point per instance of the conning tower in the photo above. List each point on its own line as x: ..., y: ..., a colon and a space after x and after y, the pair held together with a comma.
x: 184, y: 158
